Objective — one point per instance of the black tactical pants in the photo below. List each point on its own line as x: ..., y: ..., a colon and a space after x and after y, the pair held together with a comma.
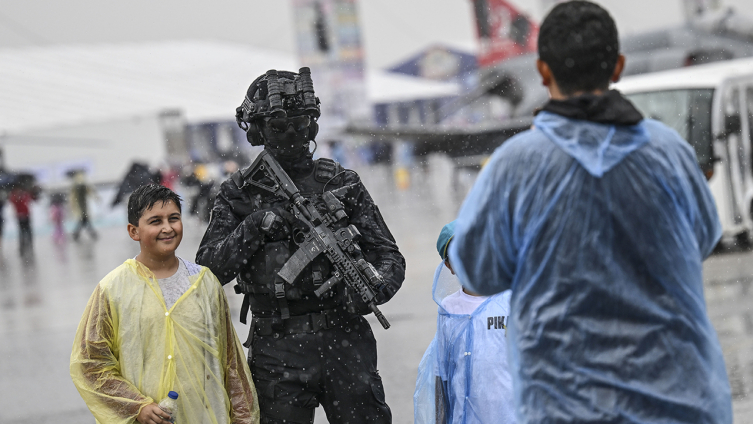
x: 334, y: 367
x: 25, y: 237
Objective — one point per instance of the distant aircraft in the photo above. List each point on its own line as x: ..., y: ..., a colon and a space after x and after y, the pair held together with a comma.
x: 707, y: 38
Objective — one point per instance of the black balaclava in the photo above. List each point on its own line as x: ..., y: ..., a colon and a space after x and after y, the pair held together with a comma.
x: 291, y: 148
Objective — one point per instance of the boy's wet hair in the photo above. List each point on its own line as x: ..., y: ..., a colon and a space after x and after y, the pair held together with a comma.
x: 579, y: 42
x: 144, y: 198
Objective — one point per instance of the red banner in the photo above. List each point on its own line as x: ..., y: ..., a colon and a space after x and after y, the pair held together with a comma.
x: 503, y: 32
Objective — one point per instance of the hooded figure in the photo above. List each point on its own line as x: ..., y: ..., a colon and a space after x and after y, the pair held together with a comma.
x: 598, y: 220
x: 600, y: 231
x: 464, y: 377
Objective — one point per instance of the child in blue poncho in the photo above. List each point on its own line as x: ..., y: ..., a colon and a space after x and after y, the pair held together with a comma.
x: 463, y: 376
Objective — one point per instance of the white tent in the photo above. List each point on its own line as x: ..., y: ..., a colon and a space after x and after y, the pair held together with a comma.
x: 99, y: 106
x: 65, y: 85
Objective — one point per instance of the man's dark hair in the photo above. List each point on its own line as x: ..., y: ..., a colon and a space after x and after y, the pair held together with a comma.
x: 578, y: 40
x: 144, y: 198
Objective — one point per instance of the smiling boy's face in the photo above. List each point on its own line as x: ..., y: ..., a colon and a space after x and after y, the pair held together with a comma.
x: 160, y: 230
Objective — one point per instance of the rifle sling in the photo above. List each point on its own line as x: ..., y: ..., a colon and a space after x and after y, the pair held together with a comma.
x: 244, y: 308
x: 280, y: 295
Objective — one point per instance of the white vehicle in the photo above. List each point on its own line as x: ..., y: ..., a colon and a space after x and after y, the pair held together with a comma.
x: 711, y: 106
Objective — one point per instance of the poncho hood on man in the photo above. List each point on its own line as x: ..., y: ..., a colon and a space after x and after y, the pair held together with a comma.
x: 600, y: 229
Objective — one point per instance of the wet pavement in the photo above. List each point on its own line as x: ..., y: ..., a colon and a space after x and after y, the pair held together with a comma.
x: 42, y: 298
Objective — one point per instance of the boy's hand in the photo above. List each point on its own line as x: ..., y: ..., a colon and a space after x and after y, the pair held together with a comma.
x: 152, y: 414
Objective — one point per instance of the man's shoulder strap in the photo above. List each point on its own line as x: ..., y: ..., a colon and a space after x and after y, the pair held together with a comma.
x: 237, y: 176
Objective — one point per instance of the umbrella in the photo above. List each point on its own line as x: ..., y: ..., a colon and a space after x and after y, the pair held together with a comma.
x: 7, y: 180
x: 137, y: 176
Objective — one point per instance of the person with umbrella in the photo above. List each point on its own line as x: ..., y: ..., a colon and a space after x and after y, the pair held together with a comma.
x: 23, y: 193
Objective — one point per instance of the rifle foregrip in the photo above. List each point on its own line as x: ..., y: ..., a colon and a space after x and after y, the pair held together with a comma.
x: 327, y: 285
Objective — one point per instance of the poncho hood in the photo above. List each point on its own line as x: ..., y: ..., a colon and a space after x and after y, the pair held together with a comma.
x: 596, y: 146
x: 447, y: 283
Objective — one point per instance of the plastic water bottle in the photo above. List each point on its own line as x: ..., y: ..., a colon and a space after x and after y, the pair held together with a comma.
x: 170, y: 405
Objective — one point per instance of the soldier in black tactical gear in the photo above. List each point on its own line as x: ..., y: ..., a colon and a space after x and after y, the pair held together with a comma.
x: 304, y: 349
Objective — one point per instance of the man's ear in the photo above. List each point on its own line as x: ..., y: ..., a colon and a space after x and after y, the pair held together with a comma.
x: 547, y: 79
x: 545, y: 72
x: 618, y: 68
x: 133, y: 232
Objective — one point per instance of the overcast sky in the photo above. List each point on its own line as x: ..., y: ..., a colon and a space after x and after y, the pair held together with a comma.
x: 392, y: 29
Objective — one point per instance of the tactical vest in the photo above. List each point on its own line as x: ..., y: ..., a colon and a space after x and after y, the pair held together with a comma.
x: 259, y: 276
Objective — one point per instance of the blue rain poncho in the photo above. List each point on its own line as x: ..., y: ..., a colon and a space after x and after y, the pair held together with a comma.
x: 464, y: 373
x: 600, y: 231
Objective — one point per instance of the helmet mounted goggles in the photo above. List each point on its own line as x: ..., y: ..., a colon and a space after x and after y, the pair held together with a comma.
x: 278, y: 95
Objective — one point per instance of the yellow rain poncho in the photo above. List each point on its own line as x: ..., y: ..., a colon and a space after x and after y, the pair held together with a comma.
x: 130, y: 351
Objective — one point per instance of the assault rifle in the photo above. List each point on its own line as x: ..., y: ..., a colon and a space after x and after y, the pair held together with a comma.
x: 340, y: 246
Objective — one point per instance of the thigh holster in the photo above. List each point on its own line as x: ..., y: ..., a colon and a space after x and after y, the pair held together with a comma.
x: 273, y: 411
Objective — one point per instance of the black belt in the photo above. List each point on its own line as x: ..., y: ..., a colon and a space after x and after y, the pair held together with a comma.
x: 298, y: 324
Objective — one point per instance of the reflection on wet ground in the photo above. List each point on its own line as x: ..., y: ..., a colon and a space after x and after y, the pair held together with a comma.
x: 43, y: 295
x: 728, y: 278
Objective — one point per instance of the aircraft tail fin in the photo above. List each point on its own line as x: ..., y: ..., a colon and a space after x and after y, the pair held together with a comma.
x: 503, y: 31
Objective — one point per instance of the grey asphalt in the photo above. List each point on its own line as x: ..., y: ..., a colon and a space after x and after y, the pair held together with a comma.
x: 41, y: 301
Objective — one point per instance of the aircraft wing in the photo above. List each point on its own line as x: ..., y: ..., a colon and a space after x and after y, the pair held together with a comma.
x: 454, y: 141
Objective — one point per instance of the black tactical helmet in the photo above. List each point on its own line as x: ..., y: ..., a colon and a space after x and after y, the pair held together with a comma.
x: 278, y: 94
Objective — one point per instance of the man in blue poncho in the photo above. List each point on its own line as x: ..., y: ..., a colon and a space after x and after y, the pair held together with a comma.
x: 598, y: 220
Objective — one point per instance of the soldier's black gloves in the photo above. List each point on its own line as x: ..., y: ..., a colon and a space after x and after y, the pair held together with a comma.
x: 272, y: 222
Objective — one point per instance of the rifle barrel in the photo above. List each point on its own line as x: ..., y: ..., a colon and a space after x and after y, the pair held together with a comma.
x: 379, y: 315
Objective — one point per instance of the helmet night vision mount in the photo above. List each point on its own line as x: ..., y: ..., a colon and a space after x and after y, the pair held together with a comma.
x: 278, y: 94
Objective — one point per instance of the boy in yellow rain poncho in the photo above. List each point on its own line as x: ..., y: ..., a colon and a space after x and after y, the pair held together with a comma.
x: 158, y: 323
